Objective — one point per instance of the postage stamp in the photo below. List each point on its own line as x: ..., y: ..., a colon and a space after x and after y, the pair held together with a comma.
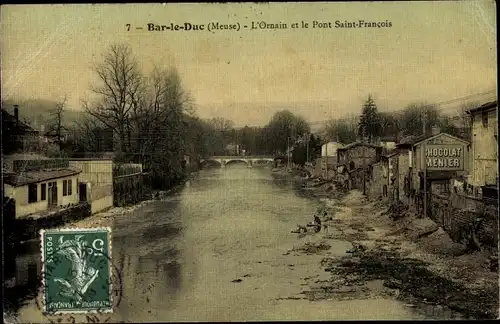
x: 76, y: 270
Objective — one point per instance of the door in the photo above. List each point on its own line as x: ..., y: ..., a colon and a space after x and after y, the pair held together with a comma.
x: 83, y: 191
x: 52, y: 194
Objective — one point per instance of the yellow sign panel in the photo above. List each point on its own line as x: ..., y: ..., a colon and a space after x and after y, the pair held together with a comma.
x: 444, y: 157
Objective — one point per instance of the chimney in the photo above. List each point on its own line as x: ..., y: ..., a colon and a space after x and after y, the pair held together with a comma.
x: 16, y: 114
x: 435, y: 130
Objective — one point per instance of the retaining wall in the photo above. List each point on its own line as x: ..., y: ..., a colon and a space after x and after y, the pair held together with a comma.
x: 131, y: 189
x: 28, y: 228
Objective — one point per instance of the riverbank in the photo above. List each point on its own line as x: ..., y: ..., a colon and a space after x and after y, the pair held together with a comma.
x: 106, y: 219
x: 411, y: 259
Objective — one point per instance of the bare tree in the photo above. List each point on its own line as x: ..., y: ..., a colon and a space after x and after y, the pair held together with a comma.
x: 418, y: 118
x: 120, y: 82
x: 221, y: 124
x: 88, y: 136
x: 56, y: 124
x: 343, y: 130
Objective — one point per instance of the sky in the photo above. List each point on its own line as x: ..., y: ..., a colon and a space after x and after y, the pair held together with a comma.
x: 433, y: 52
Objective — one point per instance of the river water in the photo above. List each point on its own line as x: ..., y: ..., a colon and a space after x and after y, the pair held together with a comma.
x: 179, y: 256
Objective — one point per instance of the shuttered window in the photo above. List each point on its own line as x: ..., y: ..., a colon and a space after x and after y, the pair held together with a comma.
x: 32, y: 193
x: 43, y: 189
x: 65, y: 187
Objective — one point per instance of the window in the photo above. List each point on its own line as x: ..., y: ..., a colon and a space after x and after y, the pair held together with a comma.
x: 65, y: 187
x: 32, y: 193
x: 43, y: 190
x: 484, y: 117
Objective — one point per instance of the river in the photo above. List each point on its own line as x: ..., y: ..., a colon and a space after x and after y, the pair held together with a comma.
x: 233, y: 223
x: 179, y: 256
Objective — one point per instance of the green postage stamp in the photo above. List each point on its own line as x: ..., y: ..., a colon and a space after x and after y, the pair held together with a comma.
x: 76, y: 270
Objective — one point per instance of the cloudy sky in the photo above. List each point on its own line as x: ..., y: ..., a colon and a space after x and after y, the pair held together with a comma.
x: 434, y: 52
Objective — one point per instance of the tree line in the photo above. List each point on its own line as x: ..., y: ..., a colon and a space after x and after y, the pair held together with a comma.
x: 151, y: 119
x: 414, y: 120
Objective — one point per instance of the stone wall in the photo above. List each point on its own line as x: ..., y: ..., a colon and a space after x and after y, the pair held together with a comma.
x: 403, y: 176
x: 358, y: 156
x: 131, y: 189
x: 28, y: 228
x: 378, y: 182
x: 393, y: 177
x: 457, y: 221
x: 464, y: 201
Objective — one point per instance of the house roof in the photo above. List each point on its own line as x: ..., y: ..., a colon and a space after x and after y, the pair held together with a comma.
x: 412, y: 139
x: 416, y: 140
x: 24, y: 178
x: 487, y: 106
x: 390, y: 153
x: 354, y: 144
x: 9, y: 123
x: 388, y: 139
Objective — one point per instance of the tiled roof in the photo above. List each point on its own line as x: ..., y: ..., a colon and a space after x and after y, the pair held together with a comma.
x: 391, y: 153
x: 413, y: 140
x: 24, y: 178
x: 354, y: 144
x: 410, y: 140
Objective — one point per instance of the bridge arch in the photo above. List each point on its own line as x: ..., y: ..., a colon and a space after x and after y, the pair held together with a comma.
x: 248, y: 160
x: 236, y: 161
x: 211, y: 162
x: 262, y: 161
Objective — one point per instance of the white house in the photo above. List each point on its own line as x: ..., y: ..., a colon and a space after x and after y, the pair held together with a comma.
x: 330, y: 148
x: 326, y: 164
x: 42, y: 190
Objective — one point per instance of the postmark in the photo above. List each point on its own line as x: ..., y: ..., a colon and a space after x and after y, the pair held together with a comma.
x: 77, y: 271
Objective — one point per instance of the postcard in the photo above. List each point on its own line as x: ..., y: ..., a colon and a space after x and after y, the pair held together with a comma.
x: 250, y: 161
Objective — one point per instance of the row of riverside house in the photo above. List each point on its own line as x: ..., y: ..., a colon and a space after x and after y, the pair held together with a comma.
x: 458, y: 177
x: 43, y: 192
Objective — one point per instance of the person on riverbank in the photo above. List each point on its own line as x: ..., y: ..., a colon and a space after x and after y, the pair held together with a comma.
x: 317, y: 224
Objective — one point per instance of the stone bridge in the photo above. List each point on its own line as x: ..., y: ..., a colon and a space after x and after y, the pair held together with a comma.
x: 248, y: 160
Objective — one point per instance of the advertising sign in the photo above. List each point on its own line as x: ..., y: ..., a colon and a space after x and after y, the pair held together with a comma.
x: 444, y: 157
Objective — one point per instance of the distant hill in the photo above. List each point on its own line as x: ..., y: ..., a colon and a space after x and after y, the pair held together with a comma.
x: 37, y: 112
